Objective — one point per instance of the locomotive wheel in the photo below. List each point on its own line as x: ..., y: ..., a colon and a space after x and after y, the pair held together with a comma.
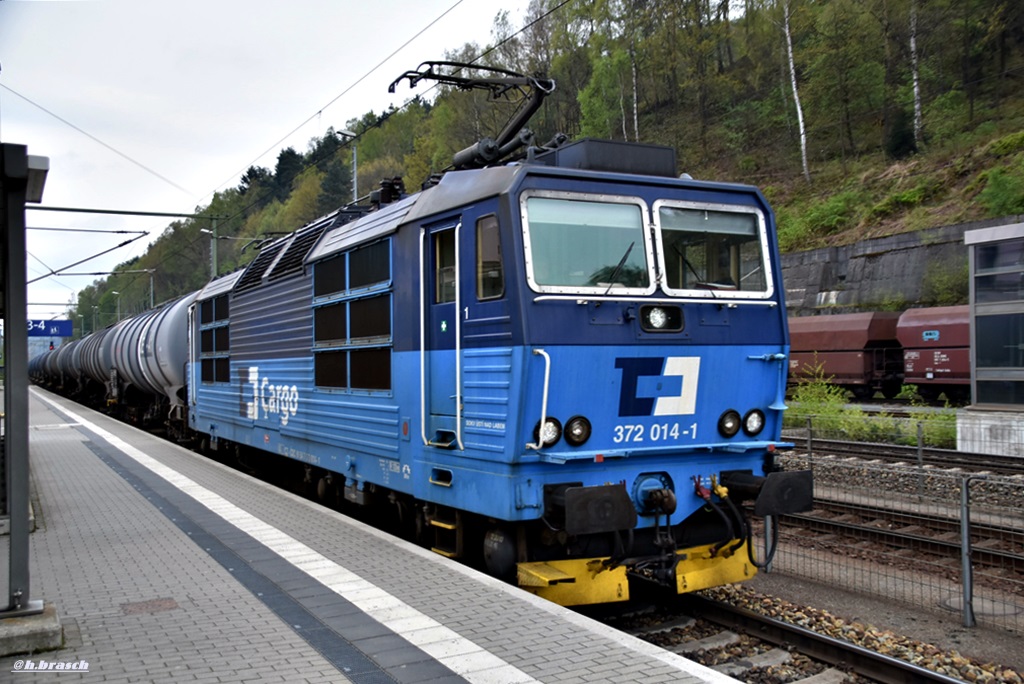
x: 325, y: 490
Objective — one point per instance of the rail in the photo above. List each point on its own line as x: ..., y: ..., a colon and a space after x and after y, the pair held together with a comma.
x: 924, y: 533
x: 921, y: 456
x: 914, y: 539
x: 864, y: 662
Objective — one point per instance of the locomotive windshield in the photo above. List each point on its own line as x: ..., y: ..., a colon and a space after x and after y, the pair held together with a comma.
x: 600, y: 245
x: 577, y: 245
x: 704, y: 249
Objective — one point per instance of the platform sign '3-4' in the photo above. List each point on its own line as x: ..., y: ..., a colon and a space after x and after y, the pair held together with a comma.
x: 37, y: 328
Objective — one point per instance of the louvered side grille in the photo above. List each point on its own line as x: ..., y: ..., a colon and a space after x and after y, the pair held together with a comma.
x: 291, y: 261
x: 253, y: 275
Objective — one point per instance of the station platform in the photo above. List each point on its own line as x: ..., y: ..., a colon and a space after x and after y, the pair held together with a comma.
x: 165, y: 566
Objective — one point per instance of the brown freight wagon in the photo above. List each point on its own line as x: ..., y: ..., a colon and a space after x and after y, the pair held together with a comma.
x: 859, y: 352
x: 937, y: 351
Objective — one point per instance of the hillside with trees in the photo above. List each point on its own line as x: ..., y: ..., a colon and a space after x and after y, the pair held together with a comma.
x: 857, y: 118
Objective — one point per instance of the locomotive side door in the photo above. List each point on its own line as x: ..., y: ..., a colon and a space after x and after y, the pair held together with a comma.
x: 440, y: 338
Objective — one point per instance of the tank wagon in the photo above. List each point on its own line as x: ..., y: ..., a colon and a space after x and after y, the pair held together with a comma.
x: 569, y: 368
x: 881, y: 351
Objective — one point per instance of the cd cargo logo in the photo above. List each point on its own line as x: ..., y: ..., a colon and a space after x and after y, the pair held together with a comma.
x: 657, y: 386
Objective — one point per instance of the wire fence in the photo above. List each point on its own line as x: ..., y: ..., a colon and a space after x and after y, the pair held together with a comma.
x: 944, y: 538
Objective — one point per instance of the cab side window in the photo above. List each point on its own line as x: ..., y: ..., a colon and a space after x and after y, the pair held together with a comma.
x: 490, y: 274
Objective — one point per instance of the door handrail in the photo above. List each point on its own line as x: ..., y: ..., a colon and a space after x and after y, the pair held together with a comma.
x: 458, y: 341
x: 423, y: 342
x: 544, y: 400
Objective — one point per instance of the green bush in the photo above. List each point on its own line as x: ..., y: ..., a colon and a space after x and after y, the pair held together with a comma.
x: 834, y: 214
x: 938, y: 428
x: 905, y: 200
x: 946, y: 284
x: 792, y: 232
x: 947, y: 115
x: 1003, y: 193
x: 1007, y: 145
x: 815, y: 397
x: 798, y: 226
x: 831, y: 417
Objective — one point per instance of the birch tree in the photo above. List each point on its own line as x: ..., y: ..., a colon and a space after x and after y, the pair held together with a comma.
x: 916, y: 76
x: 796, y: 92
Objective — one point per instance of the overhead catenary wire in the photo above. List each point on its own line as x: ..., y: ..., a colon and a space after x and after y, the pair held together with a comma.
x: 54, y: 272
x: 387, y: 115
x: 319, y: 112
x: 92, y: 137
x: 88, y: 230
x: 337, y: 97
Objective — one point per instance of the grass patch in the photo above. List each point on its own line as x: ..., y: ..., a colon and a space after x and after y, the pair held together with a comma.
x: 823, y: 406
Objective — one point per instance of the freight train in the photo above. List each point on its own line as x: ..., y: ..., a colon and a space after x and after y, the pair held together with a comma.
x: 568, y: 367
x: 882, y: 351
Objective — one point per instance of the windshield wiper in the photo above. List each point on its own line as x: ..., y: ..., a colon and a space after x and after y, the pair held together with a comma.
x: 696, y: 275
x: 615, y: 273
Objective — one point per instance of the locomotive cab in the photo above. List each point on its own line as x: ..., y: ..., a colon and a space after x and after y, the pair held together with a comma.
x: 611, y: 348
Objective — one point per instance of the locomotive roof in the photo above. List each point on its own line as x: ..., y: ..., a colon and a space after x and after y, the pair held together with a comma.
x: 373, y: 225
x: 219, y: 285
x: 457, y: 188
x: 461, y: 188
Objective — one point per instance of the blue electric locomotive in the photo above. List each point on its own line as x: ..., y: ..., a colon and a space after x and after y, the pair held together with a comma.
x: 571, y: 367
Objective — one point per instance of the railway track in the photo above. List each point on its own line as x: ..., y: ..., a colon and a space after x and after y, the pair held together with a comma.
x: 993, y: 545
x: 940, y: 458
x: 755, y: 648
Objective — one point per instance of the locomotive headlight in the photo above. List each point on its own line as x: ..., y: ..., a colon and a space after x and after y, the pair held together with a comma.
x: 753, y: 423
x: 729, y: 423
x: 548, y: 434
x: 661, y: 318
x: 577, y: 430
x: 657, y: 317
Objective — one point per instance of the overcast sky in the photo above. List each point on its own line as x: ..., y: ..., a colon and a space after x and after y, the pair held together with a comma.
x: 192, y: 92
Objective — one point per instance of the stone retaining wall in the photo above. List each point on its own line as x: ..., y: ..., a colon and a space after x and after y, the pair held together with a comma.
x: 923, y: 268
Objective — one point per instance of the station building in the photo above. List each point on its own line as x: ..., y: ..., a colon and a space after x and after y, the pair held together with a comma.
x: 994, y: 423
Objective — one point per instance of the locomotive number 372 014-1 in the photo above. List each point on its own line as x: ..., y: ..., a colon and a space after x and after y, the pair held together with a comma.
x: 658, y: 432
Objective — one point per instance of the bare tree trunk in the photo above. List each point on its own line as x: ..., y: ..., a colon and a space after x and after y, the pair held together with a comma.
x: 918, y: 120
x: 636, y: 96
x: 723, y: 17
x: 796, y: 94
x: 622, y: 111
